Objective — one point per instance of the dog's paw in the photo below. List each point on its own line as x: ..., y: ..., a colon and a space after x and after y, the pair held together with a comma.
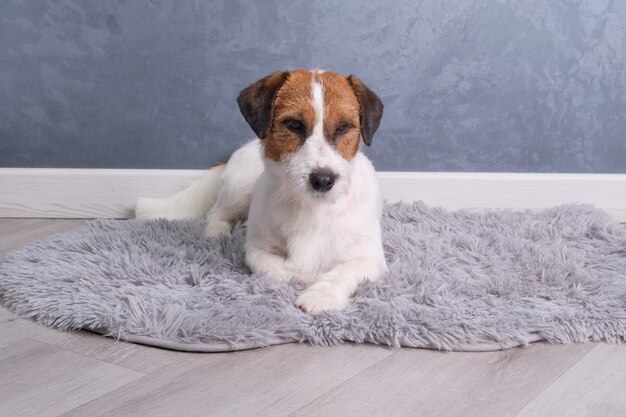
x: 320, y: 297
x: 282, y: 274
x: 215, y: 229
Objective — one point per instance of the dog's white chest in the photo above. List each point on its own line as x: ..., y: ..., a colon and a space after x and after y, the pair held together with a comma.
x: 312, y: 238
x: 316, y: 236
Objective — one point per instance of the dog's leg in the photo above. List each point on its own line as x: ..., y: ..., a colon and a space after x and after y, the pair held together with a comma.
x: 263, y: 262
x: 333, y: 290
x: 228, y: 208
x: 235, y: 189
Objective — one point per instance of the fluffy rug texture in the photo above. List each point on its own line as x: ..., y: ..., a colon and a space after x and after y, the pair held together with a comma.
x: 457, y: 281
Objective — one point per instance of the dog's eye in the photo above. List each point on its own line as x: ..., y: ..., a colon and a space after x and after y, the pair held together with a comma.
x: 343, y: 128
x: 294, y: 125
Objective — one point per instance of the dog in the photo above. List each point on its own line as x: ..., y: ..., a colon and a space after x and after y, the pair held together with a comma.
x: 311, y: 197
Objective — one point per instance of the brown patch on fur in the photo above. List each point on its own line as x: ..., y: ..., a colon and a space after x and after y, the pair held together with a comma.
x: 347, y: 102
x: 371, y: 108
x: 340, y: 107
x: 293, y: 101
x: 256, y: 102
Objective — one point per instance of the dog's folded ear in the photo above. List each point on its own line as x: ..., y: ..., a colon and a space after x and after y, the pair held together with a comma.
x: 371, y: 109
x: 256, y: 102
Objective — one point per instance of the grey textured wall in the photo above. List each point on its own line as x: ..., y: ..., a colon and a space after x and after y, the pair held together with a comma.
x: 469, y: 85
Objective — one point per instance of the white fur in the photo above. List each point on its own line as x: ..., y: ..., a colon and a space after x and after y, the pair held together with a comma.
x: 317, y: 101
x: 192, y: 202
x: 331, y: 240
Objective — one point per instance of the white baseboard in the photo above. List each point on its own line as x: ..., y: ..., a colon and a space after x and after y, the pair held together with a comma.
x: 88, y: 193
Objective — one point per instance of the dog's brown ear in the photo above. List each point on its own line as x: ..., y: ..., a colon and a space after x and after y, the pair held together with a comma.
x: 371, y: 109
x: 257, y: 100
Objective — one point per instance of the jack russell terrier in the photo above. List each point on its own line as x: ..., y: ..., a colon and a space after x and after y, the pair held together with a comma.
x: 311, y: 197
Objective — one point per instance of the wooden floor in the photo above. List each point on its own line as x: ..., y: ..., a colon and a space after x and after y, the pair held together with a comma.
x: 44, y: 372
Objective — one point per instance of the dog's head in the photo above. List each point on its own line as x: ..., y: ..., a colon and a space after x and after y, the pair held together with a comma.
x: 310, y: 123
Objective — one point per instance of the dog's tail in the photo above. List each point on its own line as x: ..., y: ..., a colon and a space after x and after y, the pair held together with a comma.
x: 192, y: 202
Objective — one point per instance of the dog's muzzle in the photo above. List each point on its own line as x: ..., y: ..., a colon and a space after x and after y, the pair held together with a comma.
x: 322, y: 180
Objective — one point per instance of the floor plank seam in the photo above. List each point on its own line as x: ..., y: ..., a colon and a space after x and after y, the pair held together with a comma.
x: 86, y: 403
x: 517, y: 412
x: 34, y: 339
x: 345, y: 381
x: 137, y: 380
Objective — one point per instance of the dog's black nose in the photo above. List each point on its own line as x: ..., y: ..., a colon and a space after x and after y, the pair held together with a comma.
x: 322, y: 180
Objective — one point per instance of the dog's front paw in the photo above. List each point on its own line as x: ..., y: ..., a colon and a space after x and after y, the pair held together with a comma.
x: 217, y: 228
x: 320, y: 297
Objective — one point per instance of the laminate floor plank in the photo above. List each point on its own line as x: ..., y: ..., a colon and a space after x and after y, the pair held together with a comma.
x: 130, y: 355
x: 415, y: 382
x: 15, y: 330
x: 595, y: 386
x: 37, y: 379
x: 17, y: 232
x: 272, y: 381
x: 5, y: 315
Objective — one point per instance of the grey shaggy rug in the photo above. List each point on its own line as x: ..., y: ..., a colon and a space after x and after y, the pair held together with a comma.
x: 457, y: 281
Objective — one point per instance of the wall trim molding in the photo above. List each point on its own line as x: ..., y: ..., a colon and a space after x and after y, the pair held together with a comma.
x: 88, y: 193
